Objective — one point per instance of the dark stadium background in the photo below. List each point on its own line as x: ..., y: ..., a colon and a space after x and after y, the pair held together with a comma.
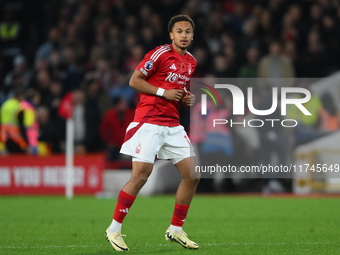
x: 92, y: 47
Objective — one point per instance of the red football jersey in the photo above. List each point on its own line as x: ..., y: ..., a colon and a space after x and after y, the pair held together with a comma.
x: 167, y: 69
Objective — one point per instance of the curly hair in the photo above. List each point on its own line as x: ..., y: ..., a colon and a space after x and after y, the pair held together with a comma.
x: 178, y: 18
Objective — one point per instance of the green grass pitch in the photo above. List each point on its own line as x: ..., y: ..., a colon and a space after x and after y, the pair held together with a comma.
x: 219, y: 224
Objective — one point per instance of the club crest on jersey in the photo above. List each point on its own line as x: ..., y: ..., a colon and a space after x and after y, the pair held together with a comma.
x: 189, y: 69
x: 148, y: 65
x: 139, y: 146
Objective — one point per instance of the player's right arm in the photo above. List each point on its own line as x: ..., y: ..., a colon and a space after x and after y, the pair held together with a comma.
x: 138, y: 82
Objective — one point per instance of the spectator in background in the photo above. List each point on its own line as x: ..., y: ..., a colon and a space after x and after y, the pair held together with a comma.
x: 308, y: 125
x: 331, y: 36
x: 97, y: 97
x: 156, y: 25
x: 137, y: 54
x: 30, y: 120
x: 249, y: 69
x: 315, y: 14
x: 148, y: 38
x: 53, y: 43
x: 48, y: 134
x: 232, y: 61
x: 275, y: 65
x: 20, y: 69
x: 56, y: 66
x: 113, y: 127
x: 314, y: 60
x: 12, y: 132
x: 87, y: 119
x: 54, y: 120
x: 72, y: 73
x: 122, y: 89
x: 17, y: 82
x: 250, y: 37
x: 40, y: 65
x: 53, y: 97
x: 289, y: 31
x: 217, y: 146
x: 72, y: 41
x: 289, y: 50
x: 273, y: 142
x: 198, y: 132
x: 238, y: 16
x: 266, y: 31
x: 329, y: 114
x: 42, y: 83
x: 129, y: 44
x: 113, y: 45
x: 220, y: 66
x: 202, y: 57
x: 103, y: 75
x: 10, y: 40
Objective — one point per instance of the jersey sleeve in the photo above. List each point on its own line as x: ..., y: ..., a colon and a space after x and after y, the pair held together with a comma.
x: 150, y: 63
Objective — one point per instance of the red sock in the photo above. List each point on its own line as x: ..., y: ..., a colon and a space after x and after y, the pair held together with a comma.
x: 180, y: 213
x: 123, y: 205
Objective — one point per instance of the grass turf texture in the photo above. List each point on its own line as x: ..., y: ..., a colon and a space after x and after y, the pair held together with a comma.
x: 219, y: 224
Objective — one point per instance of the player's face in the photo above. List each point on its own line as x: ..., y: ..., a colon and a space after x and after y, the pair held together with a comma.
x: 182, y: 34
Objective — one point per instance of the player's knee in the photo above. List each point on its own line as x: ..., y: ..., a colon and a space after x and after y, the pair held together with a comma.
x: 194, y: 180
x: 143, y: 180
x: 140, y: 179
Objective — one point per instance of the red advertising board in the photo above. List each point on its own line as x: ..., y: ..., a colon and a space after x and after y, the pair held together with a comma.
x: 25, y: 174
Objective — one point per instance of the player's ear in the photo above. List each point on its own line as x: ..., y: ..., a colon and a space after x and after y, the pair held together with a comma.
x: 171, y: 36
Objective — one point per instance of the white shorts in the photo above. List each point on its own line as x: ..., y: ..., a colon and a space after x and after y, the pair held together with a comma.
x: 145, y: 141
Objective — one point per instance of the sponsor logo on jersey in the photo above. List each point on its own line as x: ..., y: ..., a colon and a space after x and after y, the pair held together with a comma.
x: 173, y: 66
x: 143, y: 71
x: 189, y: 69
x: 148, y: 65
x: 173, y: 77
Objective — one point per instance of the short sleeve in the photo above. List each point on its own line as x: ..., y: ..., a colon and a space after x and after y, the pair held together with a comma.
x: 151, y: 62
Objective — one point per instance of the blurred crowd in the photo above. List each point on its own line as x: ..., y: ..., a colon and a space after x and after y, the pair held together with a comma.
x: 90, y: 47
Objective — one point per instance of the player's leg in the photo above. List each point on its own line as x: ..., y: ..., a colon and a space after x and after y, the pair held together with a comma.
x: 142, y: 143
x: 140, y: 173
x: 184, y: 195
x: 190, y: 179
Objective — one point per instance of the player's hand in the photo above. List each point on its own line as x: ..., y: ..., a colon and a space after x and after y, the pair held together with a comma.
x: 173, y: 94
x: 189, y: 99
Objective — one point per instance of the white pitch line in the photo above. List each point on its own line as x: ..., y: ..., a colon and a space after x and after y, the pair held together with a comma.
x: 206, y: 244
x: 51, y: 246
